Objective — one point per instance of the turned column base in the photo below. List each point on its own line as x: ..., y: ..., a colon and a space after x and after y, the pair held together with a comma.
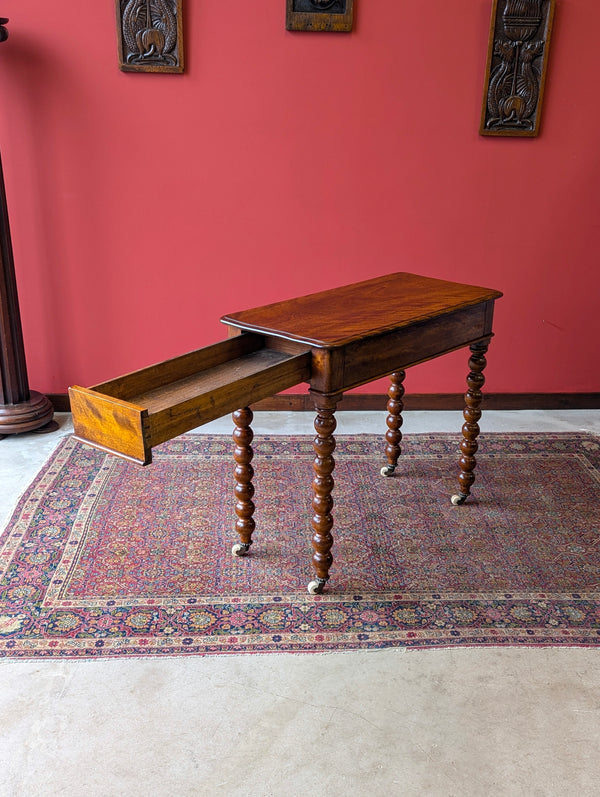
x: 26, y: 416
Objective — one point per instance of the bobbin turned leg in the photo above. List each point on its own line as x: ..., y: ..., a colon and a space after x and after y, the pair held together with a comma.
x: 393, y: 435
x: 244, y: 489
x: 322, y: 504
x: 471, y: 414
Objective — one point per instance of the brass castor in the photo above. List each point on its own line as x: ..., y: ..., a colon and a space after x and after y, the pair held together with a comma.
x: 240, y: 548
x: 316, y: 587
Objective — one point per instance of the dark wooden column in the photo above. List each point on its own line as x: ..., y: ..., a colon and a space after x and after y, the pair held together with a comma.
x: 21, y: 409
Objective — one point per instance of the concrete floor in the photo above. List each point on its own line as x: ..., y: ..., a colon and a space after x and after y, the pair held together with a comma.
x: 440, y: 722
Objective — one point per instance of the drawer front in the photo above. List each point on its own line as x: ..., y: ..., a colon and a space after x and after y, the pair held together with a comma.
x: 111, y: 424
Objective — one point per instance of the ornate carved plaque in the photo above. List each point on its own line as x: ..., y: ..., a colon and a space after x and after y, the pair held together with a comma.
x: 516, y: 67
x: 150, y: 35
x: 322, y: 15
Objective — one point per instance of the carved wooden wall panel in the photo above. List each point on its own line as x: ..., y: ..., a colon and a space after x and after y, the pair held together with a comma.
x: 516, y: 67
x: 320, y: 15
x: 150, y: 35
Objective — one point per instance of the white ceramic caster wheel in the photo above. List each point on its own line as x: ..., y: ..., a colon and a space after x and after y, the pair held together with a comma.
x: 457, y: 500
x: 387, y: 470
x: 315, y: 587
x: 239, y: 549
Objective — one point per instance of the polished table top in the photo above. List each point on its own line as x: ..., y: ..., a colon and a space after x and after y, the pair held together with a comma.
x: 343, y: 315
x: 365, y: 330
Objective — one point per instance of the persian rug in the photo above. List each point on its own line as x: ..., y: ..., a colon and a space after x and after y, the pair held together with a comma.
x: 106, y: 558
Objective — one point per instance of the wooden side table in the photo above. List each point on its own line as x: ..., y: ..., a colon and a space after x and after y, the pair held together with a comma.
x: 359, y: 333
x: 334, y: 340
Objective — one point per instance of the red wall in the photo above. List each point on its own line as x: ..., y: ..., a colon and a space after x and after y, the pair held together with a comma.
x: 144, y: 207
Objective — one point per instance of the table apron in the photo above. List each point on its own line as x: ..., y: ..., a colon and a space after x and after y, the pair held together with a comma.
x: 362, y: 361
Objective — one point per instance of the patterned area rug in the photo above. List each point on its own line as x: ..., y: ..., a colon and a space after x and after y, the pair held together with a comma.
x: 105, y: 558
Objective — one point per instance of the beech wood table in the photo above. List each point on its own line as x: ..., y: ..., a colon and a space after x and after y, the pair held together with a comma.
x: 335, y: 340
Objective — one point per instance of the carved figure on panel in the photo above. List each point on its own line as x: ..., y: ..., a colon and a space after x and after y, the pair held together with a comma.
x: 319, y: 15
x: 325, y: 5
x: 519, y: 39
x: 150, y: 35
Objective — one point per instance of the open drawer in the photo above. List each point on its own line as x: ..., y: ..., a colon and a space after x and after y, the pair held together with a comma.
x: 130, y: 415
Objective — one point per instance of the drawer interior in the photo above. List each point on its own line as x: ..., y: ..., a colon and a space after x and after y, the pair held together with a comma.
x: 130, y: 415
